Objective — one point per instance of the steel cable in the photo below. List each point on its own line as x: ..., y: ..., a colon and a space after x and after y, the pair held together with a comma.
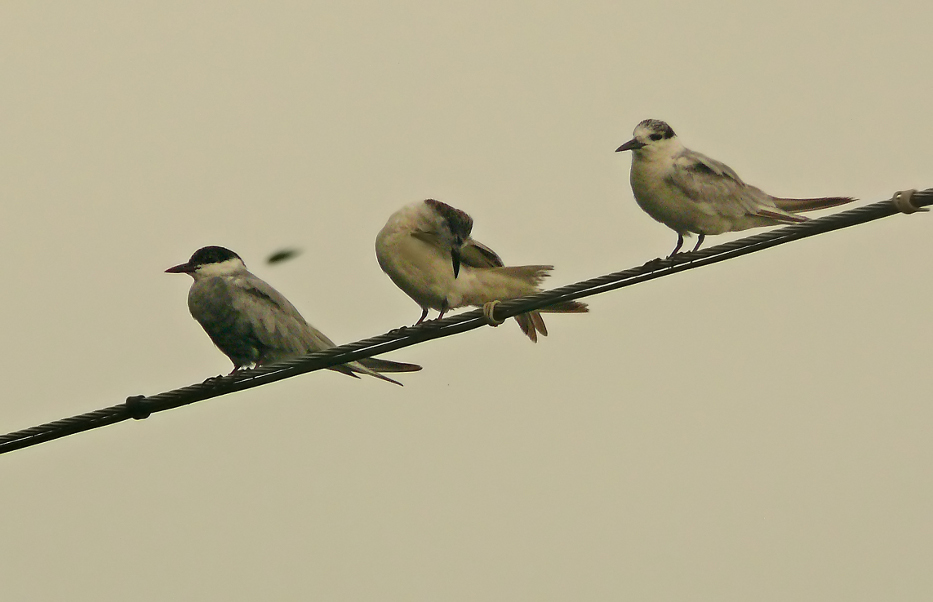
x: 140, y: 407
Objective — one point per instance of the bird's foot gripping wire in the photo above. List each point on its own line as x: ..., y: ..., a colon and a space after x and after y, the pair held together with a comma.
x: 903, y: 201
x: 489, y: 309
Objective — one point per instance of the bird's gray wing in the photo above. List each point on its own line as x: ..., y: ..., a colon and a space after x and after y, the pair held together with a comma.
x: 274, y: 320
x: 704, y: 163
x: 706, y: 180
x: 381, y: 365
x: 281, y: 330
x: 477, y: 255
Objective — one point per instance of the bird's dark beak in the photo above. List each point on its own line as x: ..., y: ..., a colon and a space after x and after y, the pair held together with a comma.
x: 632, y: 144
x: 184, y: 268
x: 455, y: 259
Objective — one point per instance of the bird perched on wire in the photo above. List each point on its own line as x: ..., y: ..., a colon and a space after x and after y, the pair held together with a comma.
x: 694, y: 194
x: 252, y: 323
x: 427, y: 251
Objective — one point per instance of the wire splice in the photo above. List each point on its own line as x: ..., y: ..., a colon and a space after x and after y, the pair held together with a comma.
x: 137, y: 407
x: 489, y: 310
x: 140, y: 407
x: 903, y: 200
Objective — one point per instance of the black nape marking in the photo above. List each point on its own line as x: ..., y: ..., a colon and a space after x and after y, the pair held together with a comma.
x: 459, y: 222
x: 658, y: 128
x: 208, y: 255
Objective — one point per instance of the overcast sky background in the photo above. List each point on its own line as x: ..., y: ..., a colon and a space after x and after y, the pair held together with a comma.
x: 755, y: 430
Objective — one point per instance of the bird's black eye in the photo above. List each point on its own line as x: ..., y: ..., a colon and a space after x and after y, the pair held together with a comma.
x: 655, y: 136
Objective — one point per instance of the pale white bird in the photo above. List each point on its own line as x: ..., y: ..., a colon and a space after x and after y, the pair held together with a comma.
x: 694, y: 194
x: 254, y: 324
x: 426, y: 249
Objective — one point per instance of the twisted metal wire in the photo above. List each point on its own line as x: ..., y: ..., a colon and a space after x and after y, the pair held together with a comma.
x: 140, y: 407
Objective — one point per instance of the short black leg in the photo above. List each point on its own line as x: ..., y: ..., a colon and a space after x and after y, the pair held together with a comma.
x: 680, y: 243
x: 444, y: 308
x: 699, y: 242
x: 424, y: 314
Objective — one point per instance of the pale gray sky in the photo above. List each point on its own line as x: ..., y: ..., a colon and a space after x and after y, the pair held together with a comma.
x: 755, y: 430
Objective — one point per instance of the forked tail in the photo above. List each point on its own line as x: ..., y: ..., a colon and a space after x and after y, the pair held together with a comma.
x: 355, y: 368
x: 482, y: 285
x: 532, y: 323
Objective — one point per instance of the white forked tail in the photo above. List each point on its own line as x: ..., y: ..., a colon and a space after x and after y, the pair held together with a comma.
x: 479, y: 286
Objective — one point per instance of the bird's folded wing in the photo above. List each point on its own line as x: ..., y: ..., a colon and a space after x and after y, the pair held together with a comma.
x: 719, y: 188
x: 381, y: 365
x: 275, y: 321
x: 477, y: 255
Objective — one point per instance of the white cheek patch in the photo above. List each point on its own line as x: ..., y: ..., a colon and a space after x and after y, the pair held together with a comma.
x: 224, y: 268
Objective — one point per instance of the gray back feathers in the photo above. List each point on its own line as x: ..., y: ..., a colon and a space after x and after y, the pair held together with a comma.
x: 250, y: 321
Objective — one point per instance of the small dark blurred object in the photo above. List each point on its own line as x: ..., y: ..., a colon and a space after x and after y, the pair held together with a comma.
x: 283, y: 255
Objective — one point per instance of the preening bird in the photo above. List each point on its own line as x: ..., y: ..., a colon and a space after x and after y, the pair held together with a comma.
x: 254, y: 324
x: 427, y: 251
x: 694, y: 194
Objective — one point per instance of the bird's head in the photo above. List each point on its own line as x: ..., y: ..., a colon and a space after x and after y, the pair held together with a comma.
x: 651, y: 136
x: 210, y: 261
x: 452, y: 227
